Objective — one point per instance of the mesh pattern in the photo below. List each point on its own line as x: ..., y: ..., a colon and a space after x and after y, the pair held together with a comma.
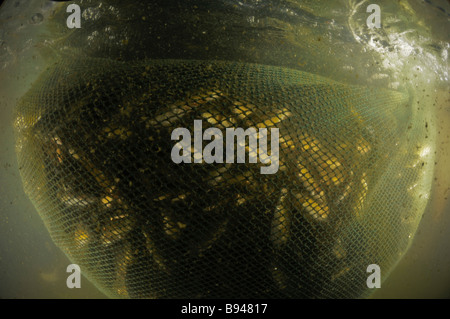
x: 94, y: 145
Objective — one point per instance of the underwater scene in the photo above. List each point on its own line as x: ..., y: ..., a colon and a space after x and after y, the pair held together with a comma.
x: 227, y: 149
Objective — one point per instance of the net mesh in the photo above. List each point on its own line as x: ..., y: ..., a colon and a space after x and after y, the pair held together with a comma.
x: 94, y: 146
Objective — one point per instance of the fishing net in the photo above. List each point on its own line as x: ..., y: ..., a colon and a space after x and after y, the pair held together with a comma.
x: 94, y: 145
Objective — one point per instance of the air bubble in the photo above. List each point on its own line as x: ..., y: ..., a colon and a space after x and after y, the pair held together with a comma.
x: 37, y: 18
